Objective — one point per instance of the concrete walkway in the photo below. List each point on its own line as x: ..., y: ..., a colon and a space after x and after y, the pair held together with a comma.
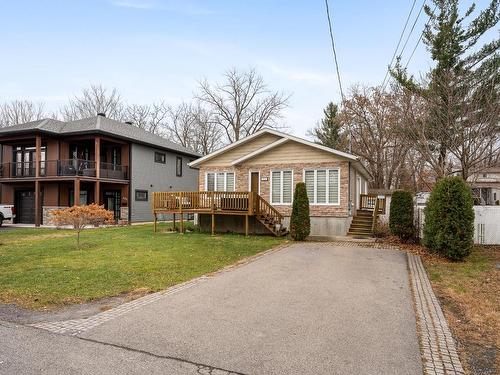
x: 310, y: 308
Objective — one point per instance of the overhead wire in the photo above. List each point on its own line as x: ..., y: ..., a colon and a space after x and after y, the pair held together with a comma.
x: 399, y: 41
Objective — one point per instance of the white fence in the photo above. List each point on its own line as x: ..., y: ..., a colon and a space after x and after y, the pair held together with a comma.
x: 486, y: 224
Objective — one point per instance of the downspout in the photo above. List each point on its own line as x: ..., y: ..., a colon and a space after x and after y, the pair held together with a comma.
x: 1, y: 166
x: 349, y: 209
x: 130, y: 183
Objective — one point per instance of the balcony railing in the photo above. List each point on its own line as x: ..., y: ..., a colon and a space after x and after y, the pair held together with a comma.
x: 114, y: 171
x: 69, y: 167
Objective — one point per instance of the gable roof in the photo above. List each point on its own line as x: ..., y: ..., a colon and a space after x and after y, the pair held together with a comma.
x: 283, y: 139
x: 98, y: 124
x: 277, y: 133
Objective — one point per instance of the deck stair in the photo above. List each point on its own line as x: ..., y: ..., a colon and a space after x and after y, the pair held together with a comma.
x: 364, y: 221
x: 273, y: 225
x: 361, y: 225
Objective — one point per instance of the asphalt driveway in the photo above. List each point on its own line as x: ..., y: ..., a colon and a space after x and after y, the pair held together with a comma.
x: 311, y: 308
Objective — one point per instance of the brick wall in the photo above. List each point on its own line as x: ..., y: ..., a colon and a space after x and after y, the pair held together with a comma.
x: 242, y: 183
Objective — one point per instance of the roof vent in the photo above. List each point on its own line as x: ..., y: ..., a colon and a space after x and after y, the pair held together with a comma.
x: 102, y: 114
x: 129, y: 123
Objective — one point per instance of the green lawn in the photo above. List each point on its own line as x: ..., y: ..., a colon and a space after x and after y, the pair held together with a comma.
x: 42, y: 268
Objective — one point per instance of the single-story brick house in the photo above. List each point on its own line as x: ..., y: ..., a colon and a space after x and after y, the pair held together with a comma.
x: 270, y: 163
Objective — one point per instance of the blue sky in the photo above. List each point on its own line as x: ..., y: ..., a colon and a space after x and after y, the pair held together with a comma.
x: 153, y: 50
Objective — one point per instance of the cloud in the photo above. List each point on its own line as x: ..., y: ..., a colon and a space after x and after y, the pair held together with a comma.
x: 136, y: 4
x: 181, y: 7
x: 305, y: 76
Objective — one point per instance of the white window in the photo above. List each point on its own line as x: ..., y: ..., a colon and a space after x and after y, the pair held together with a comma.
x: 322, y: 186
x: 219, y: 181
x: 281, y: 187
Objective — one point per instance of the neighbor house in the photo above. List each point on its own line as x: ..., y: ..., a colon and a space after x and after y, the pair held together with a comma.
x: 270, y: 163
x: 485, y: 186
x: 49, y: 164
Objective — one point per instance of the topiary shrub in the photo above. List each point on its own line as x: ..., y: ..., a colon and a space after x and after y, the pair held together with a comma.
x: 401, y: 215
x: 449, y: 219
x: 300, y: 222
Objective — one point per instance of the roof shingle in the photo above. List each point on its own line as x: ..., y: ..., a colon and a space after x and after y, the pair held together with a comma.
x: 99, y: 124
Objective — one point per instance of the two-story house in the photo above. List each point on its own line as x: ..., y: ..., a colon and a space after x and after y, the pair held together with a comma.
x: 49, y: 164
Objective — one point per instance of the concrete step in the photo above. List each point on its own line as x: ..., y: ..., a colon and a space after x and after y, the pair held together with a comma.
x: 365, y: 222
x: 366, y: 234
x: 360, y: 227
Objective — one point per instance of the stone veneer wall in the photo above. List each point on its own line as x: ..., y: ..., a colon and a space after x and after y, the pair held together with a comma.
x: 47, y: 214
x: 242, y: 184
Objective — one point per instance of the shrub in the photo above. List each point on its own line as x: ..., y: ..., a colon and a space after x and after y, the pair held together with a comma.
x: 401, y: 215
x: 449, y: 219
x: 381, y: 229
x: 81, y: 216
x: 300, y: 222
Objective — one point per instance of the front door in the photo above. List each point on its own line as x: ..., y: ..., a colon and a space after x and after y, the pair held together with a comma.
x: 112, y: 201
x: 254, y: 182
x: 25, y: 206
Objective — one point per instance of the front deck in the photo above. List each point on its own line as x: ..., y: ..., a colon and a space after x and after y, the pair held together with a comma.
x: 241, y: 203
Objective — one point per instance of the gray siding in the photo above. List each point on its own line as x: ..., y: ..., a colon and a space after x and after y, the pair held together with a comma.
x: 148, y: 175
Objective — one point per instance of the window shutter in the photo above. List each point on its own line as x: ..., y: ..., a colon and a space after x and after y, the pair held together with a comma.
x: 287, y: 186
x: 220, y: 181
x: 229, y: 181
x: 333, y: 187
x: 309, y: 180
x: 321, y: 186
x: 276, y: 187
x: 210, y: 182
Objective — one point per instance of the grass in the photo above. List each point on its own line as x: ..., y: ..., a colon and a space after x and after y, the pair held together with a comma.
x: 42, y: 268
x: 470, y: 294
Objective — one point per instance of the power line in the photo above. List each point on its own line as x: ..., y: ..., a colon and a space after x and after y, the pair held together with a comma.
x: 407, y: 39
x: 399, y: 41
x: 334, y: 51
x: 419, y: 39
x: 412, y: 28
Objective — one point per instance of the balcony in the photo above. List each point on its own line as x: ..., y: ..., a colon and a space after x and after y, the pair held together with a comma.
x: 62, y: 168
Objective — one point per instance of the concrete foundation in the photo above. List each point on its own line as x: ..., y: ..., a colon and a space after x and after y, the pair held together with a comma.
x: 320, y: 226
x: 231, y: 224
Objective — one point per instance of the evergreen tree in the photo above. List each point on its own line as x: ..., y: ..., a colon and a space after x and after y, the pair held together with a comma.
x: 463, y: 72
x: 401, y: 215
x: 328, y: 132
x: 449, y: 219
x: 300, y: 222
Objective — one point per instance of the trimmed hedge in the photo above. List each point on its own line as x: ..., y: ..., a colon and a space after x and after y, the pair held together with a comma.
x: 449, y: 219
x: 401, y: 215
x: 300, y: 222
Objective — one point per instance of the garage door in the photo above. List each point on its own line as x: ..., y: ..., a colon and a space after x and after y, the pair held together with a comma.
x: 25, y: 206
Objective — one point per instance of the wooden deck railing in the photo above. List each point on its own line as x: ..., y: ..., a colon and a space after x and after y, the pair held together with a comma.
x: 193, y: 201
x: 264, y: 208
x: 369, y: 202
x: 216, y: 203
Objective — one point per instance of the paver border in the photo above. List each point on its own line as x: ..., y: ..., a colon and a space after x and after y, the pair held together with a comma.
x: 439, y: 353
x: 75, y: 327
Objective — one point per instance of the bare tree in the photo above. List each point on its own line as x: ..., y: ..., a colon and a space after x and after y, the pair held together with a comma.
x: 21, y: 111
x: 475, y: 136
x: 152, y: 118
x: 242, y: 104
x: 191, y: 126
x: 208, y: 135
x: 93, y: 100
x: 472, y: 134
x: 375, y: 118
x: 181, y: 124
